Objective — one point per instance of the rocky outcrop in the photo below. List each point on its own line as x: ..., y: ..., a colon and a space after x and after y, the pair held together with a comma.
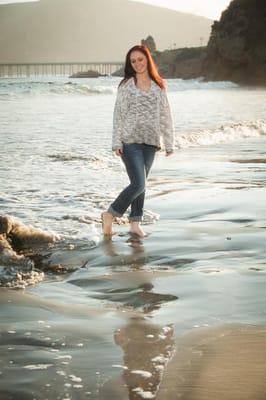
x: 150, y: 43
x: 86, y: 74
x: 237, y: 47
x: 21, y: 247
x: 185, y: 63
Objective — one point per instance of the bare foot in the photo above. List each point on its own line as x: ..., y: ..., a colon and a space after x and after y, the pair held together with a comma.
x: 107, y: 222
x: 136, y: 229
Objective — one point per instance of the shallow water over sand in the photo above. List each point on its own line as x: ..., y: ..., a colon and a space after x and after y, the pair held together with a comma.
x: 124, y: 312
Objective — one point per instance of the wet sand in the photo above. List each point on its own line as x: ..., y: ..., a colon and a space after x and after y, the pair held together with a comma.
x: 227, y: 363
x: 223, y: 363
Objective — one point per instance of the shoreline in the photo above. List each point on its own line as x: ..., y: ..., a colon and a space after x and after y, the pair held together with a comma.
x: 125, y: 312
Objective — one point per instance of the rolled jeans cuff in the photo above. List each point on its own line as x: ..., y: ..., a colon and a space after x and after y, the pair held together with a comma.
x: 114, y: 213
x: 135, y: 218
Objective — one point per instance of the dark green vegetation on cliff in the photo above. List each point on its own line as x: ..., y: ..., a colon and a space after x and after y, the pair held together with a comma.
x: 237, y: 47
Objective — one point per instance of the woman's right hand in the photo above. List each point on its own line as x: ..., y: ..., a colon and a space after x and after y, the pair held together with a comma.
x: 119, y: 152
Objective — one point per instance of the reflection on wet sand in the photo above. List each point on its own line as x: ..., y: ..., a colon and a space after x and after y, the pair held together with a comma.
x: 132, y: 290
x: 226, y: 363
x: 134, y: 241
x: 147, y: 348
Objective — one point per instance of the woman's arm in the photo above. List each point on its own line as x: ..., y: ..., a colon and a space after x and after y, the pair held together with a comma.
x: 118, y: 121
x: 166, y: 123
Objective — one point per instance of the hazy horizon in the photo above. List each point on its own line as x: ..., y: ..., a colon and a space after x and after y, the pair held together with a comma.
x: 67, y: 31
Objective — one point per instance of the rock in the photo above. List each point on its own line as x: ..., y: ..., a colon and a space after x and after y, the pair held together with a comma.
x: 86, y: 74
x: 150, y: 43
x: 15, y: 238
x: 17, y: 257
x: 119, y: 72
x: 19, y: 235
x: 237, y: 47
x: 184, y: 63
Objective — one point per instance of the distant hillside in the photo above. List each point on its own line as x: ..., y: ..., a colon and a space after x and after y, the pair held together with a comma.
x: 94, y: 30
x: 237, y: 47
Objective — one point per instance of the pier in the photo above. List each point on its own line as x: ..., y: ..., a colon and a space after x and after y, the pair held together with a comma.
x: 57, y: 69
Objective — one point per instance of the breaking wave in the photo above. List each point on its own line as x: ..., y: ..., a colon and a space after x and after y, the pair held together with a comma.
x: 34, y: 88
x: 222, y: 134
x: 177, y: 85
x: 92, y: 86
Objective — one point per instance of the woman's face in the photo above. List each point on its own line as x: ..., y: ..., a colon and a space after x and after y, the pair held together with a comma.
x: 139, y: 62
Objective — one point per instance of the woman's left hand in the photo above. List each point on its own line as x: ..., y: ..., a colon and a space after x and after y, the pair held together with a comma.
x: 119, y: 152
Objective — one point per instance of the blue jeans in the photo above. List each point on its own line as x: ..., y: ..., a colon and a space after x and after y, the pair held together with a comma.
x: 138, y: 159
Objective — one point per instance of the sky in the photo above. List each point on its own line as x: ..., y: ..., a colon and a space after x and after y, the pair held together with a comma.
x: 208, y: 8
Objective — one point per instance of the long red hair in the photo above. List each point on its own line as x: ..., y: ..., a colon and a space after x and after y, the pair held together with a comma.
x: 129, y: 71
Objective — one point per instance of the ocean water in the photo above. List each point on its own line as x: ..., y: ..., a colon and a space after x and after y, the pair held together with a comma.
x: 100, y: 315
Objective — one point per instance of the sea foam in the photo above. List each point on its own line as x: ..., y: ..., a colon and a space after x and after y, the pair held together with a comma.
x: 222, y: 134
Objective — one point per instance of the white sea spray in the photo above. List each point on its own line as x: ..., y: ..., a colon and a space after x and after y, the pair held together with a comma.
x: 144, y: 394
x: 38, y: 366
x: 144, y: 374
x: 75, y: 378
x: 223, y: 134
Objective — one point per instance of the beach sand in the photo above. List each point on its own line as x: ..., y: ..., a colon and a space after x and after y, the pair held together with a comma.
x: 226, y: 363
x: 223, y: 363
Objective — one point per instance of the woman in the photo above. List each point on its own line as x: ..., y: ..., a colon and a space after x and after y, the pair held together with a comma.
x: 142, y: 116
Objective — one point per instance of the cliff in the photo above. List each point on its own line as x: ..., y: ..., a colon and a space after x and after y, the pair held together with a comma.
x: 237, y: 46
